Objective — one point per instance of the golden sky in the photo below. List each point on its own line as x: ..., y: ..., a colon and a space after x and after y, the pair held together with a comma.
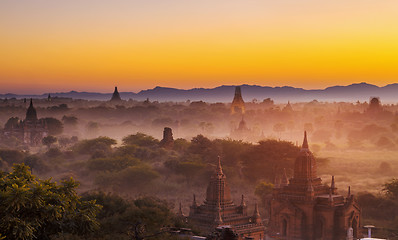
x: 93, y: 45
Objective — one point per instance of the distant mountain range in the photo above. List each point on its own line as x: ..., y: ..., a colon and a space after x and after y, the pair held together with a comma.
x: 351, y: 93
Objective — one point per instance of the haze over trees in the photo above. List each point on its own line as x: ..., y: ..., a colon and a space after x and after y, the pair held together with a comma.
x: 117, y: 148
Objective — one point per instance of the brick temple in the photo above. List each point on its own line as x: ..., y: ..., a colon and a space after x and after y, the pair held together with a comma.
x: 219, y: 210
x: 303, y: 208
x: 238, y: 105
x: 30, y: 131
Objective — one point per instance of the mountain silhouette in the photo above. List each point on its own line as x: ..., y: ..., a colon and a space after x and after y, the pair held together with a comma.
x: 225, y: 93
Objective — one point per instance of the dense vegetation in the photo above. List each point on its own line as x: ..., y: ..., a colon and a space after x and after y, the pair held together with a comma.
x: 31, y: 208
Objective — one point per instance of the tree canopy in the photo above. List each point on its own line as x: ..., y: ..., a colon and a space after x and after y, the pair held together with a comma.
x: 31, y: 208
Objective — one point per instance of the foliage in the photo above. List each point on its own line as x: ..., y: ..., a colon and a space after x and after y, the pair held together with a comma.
x: 189, y: 169
x: 140, y: 139
x: 53, y: 152
x: 49, y: 140
x: 54, y: 126
x: 100, y: 144
x: 391, y: 188
x: 69, y: 120
x: 12, y: 122
x: 111, y: 164
x: 263, y: 189
x: 268, y: 158
x: 118, y: 216
x: 11, y: 156
x: 138, y: 175
x: 37, y: 209
x: 36, y: 163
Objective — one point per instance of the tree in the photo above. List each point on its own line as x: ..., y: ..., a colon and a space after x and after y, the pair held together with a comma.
x: 119, y: 217
x: 12, y: 122
x: 49, y: 140
x: 92, y: 128
x: 265, y: 158
x: 54, y: 126
x: 140, y: 139
x: 91, y: 146
x: 12, y: 156
x: 391, y: 188
x: 264, y: 190
x: 38, y: 209
x: 69, y: 120
x: 189, y: 169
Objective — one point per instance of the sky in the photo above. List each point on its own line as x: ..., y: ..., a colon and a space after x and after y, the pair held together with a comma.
x: 94, y: 45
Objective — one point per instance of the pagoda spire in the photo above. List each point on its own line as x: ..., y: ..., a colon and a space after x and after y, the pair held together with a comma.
x: 219, y: 167
x: 243, y: 203
x: 237, y: 102
x: 116, y: 95
x: 194, y: 201
x: 284, y: 180
x: 218, y: 219
x: 256, y: 214
x: 31, y: 114
x: 305, y: 142
x: 333, y: 186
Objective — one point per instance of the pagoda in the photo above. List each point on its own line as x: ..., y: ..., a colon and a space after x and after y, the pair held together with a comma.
x: 219, y: 210
x: 116, y: 96
x: 303, y: 208
x: 238, y: 105
x: 31, y: 130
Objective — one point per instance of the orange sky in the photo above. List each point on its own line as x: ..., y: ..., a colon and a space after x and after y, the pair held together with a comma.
x: 49, y: 46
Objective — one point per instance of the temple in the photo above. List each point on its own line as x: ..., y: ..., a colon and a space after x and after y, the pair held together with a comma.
x: 219, y: 210
x: 238, y: 105
x: 31, y: 130
x: 303, y: 208
x: 167, y: 141
x: 116, y: 96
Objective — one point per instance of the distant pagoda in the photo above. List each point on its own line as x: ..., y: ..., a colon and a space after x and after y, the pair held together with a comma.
x: 116, y: 96
x: 238, y: 105
x: 31, y: 130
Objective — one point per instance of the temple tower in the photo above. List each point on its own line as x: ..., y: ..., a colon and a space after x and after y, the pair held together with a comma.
x: 218, y: 210
x: 31, y: 115
x: 238, y: 105
x: 167, y: 141
x: 116, y: 96
x: 306, y: 209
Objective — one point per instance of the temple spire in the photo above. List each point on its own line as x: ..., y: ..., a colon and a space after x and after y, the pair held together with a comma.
x: 284, y: 180
x: 219, y: 168
x: 116, y: 95
x: 194, y: 201
x: 333, y: 185
x: 305, y: 142
x: 237, y: 103
x: 243, y: 203
x: 218, y: 219
x: 31, y: 114
x: 256, y: 214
